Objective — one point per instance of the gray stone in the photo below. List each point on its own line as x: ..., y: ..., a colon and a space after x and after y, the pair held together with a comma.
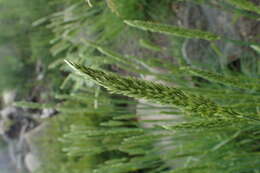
x: 8, y: 97
x: 32, y: 162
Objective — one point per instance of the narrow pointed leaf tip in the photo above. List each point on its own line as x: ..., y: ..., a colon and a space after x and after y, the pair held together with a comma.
x: 72, y: 65
x: 172, y: 30
x: 76, y: 67
x: 96, y: 75
x: 89, y: 3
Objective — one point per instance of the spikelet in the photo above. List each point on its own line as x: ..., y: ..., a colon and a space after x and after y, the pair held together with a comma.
x: 191, y: 104
x: 172, y: 30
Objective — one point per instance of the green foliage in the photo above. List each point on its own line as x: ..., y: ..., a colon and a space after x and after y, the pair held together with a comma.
x: 32, y: 105
x: 243, y: 83
x: 214, y: 120
x: 97, y: 24
x: 246, y: 5
x: 10, y: 71
x: 208, y: 124
x: 172, y: 30
x: 23, y: 46
x: 56, y: 158
x: 215, y: 127
x: 149, y: 45
x: 131, y: 9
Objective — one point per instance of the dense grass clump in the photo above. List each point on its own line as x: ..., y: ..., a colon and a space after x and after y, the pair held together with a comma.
x: 170, y: 114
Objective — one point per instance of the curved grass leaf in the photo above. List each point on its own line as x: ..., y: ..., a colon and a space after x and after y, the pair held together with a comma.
x: 172, y: 30
x: 246, y: 5
x: 229, y: 81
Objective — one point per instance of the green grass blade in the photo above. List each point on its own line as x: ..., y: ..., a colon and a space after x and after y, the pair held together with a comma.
x: 172, y: 30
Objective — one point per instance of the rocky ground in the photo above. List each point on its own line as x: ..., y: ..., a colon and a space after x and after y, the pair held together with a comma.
x: 19, y: 129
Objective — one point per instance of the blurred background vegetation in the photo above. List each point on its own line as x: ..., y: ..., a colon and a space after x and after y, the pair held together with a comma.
x: 62, y: 122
